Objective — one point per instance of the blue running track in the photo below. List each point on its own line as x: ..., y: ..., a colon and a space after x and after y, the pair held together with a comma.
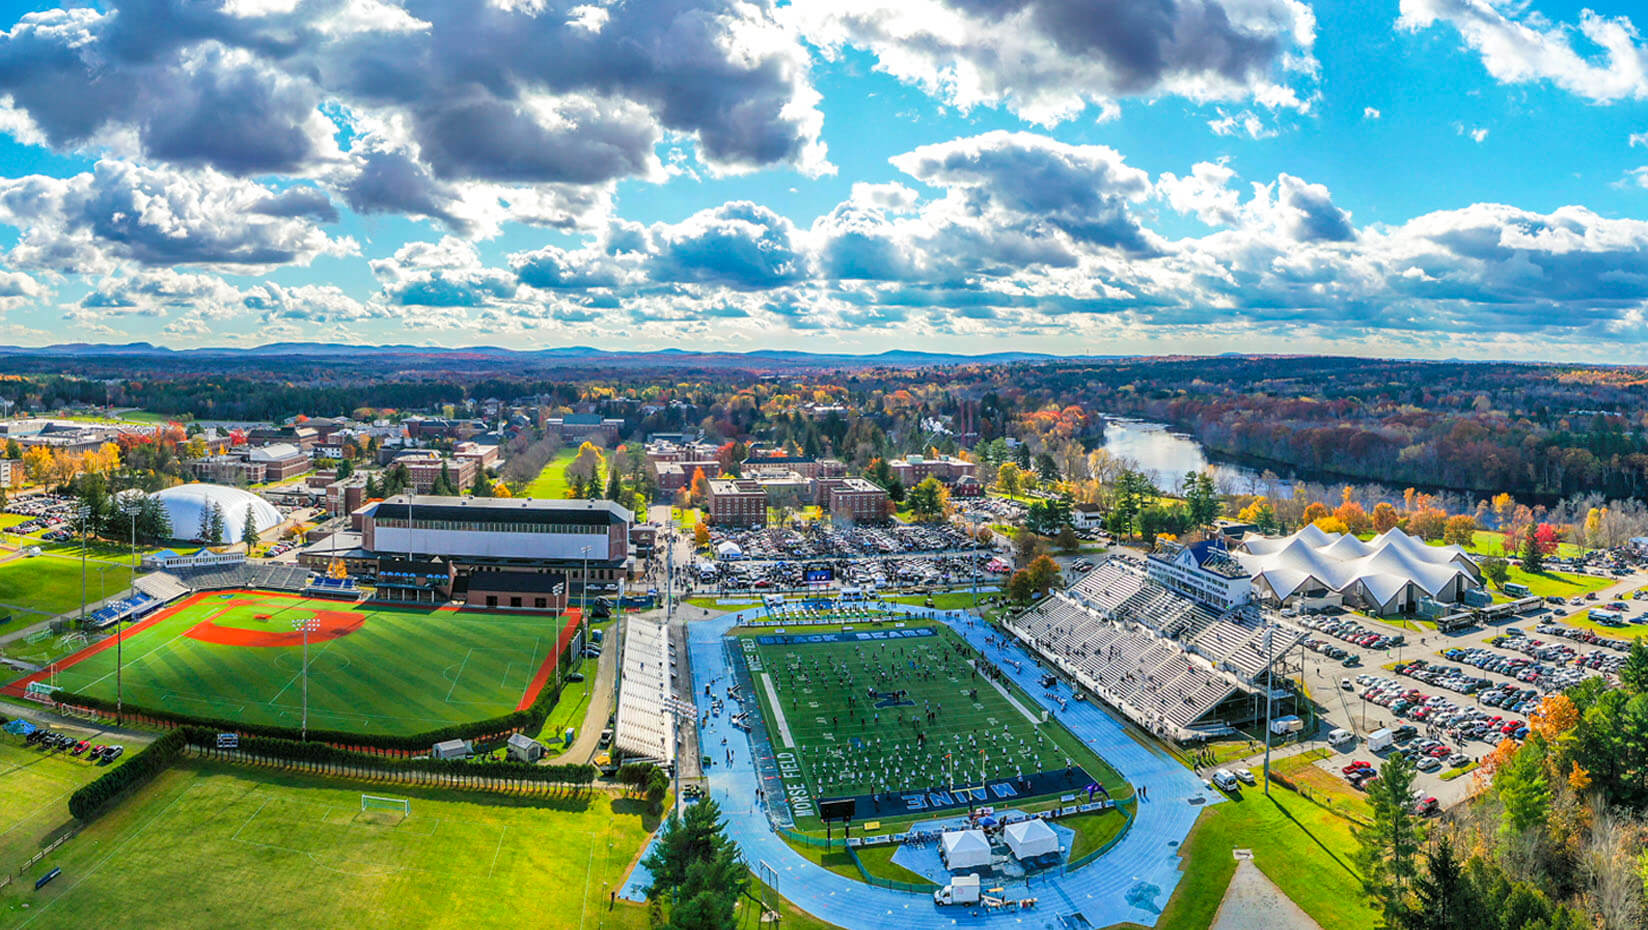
x: 1130, y: 882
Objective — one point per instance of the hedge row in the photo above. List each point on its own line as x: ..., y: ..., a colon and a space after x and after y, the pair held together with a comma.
x: 138, y: 769
x: 326, y: 756
x: 495, y: 728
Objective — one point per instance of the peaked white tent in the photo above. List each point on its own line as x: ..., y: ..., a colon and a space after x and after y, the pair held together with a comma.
x: 1029, y: 839
x: 1389, y: 572
x: 965, y: 849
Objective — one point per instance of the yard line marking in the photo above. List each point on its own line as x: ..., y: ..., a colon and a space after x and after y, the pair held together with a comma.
x: 248, y: 821
x: 1015, y: 702
x: 778, y: 712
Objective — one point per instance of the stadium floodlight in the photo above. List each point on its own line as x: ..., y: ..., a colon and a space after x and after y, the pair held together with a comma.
x: 677, y: 709
x: 306, y: 626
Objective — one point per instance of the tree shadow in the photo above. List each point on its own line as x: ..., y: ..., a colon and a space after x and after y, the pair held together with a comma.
x: 1306, y: 830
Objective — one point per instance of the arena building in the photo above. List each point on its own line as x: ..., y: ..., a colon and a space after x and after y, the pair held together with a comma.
x: 505, y: 534
x: 1388, y: 574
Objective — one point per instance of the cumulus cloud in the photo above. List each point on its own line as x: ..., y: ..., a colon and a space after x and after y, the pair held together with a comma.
x: 1519, y: 46
x: 448, y: 273
x: 738, y: 245
x: 1048, y: 60
x: 121, y: 212
x: 239, y: 87
x: 1026, y: 179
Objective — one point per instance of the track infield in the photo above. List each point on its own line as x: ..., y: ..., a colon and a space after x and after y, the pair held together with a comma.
x: 372, y: 669
x: 846, y: 711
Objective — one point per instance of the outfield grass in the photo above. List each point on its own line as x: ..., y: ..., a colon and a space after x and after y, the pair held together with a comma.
x: 552, y: 481
x: 380, y: 670
x: 1304, y: 849
x: 210, y: 846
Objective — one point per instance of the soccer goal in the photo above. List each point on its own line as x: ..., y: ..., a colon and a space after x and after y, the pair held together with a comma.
x: 372, y: 802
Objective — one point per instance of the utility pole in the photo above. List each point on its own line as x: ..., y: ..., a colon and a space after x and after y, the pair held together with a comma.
x: 83, y: 512
x: 306, y: 626
x: 583, y: 593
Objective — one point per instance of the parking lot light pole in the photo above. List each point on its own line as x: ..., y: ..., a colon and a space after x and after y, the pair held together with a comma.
x: 306, y: 626
x: 583, y: 593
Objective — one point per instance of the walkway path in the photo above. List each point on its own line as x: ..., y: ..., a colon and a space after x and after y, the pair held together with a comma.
x: 1131, y: 882
x: 1253, y: 900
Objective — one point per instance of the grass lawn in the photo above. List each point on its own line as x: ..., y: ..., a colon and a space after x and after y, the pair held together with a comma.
x: 1489, y: 542
x: 849, y: 750
x: 1093, y: 830
x: 382, y: 670
x: 552, y: 481
x: 204, y: 842
x: 1546, y: 584
x: 685, y: 519
x: 36, y: 786
x: 49, y: 584
x: 878, y: 861
x: 569, y: 709
x: 1451, y: 774
x: 1304, y: 849
x: 949, y: 600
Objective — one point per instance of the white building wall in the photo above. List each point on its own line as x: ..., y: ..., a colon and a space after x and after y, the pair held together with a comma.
x: 475, y: 544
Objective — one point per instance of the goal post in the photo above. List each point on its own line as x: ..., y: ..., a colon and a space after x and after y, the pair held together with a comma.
x: 372, y: 802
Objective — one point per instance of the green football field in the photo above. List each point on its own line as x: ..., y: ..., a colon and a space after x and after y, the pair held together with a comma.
x: 820, y: 699
x: 208, y: 846
x: 235, y: 655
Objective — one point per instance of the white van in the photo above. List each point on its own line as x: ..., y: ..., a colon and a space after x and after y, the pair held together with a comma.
x: 1224, y: 780
x: 1341, y: 737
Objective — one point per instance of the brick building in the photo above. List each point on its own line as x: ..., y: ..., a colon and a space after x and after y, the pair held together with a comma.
x: 857, y: 500
x: 736, y: 502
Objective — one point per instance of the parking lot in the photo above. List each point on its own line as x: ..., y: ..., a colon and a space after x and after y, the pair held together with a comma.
x: 1460, y: 693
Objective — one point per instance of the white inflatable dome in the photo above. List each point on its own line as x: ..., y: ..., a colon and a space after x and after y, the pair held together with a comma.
x: 187, y: 505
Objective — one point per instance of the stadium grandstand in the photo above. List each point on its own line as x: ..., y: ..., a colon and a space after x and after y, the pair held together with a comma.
x: 269, y: 576
x: 643, y: 729
x: 1172, y: 665
x: 113, y: 612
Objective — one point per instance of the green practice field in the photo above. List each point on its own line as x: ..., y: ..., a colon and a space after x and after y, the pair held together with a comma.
x: 210, y: 846
x: 49, y: 584
x: 817, y: 700
x: 374, y: 669
x: 35, y: 785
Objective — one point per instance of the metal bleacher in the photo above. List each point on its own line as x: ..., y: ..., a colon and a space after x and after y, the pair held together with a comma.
x: 1164, y: 660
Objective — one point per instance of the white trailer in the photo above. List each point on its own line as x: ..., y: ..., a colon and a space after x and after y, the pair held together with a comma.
x: 1380, y: 740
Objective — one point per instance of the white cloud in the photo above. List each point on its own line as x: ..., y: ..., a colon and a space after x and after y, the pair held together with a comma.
x: 1049, y: 60
x: 1371, y: 113
x: 1519, y: 46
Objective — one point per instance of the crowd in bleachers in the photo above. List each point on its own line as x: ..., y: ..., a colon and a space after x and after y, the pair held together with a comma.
x: 1164, y: 660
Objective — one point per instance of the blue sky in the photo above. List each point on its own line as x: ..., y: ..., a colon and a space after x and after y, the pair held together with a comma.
x: 1419, y: 178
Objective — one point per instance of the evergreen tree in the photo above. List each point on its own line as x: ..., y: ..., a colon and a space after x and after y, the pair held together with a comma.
x: 1633, y: 675
x: 1533, y: 558
x: 1021, y: 455
x: 615, y: 487
x: 697, y: 866
x: 481, y: 486
x: 1442, y: 898
x: 249, y: 529
x: 1389, y: 846
x: 205, y: 532
x: 215, y: 524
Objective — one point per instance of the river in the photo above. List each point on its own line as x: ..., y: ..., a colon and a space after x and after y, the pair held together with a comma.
x: 1166, y: 455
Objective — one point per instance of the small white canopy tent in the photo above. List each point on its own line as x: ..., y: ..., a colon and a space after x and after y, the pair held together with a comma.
x: 1029, y: 839
x: 965, y: 849
x: 727, y: 549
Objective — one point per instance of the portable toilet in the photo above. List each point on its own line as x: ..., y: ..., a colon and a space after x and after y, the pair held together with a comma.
x: 570, y: 734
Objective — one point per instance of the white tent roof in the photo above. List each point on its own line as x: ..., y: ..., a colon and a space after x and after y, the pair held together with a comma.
x: 1382, y: 565
x: 728, y: 547
x: 1031, y: 838
x: 966, y: 849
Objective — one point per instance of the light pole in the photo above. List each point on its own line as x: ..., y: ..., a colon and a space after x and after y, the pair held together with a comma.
x: 1270, y: 690
x: 83, y: 512
x: 306, y: 626
x: 677, y: 709
x: 583, y: 592
x: 130, y: 505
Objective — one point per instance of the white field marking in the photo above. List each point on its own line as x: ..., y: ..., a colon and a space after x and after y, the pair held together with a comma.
x: 248, y: 821
x: 298, y: 674
x: 458, y: 677
x: 589, y: 874
x: 1014, y: 701
x: 778, y: 712
x: 114, y: 850
x: 501, y: 833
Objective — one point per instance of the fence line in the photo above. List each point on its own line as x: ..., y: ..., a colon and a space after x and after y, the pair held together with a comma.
x: 50, y: 848
x: 479, y: 780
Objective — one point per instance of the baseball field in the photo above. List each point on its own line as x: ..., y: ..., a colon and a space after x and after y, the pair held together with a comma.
x: 239, y: 655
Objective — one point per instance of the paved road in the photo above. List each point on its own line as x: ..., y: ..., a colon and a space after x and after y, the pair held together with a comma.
x: 587, y: 742
x: 1129, y: 883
